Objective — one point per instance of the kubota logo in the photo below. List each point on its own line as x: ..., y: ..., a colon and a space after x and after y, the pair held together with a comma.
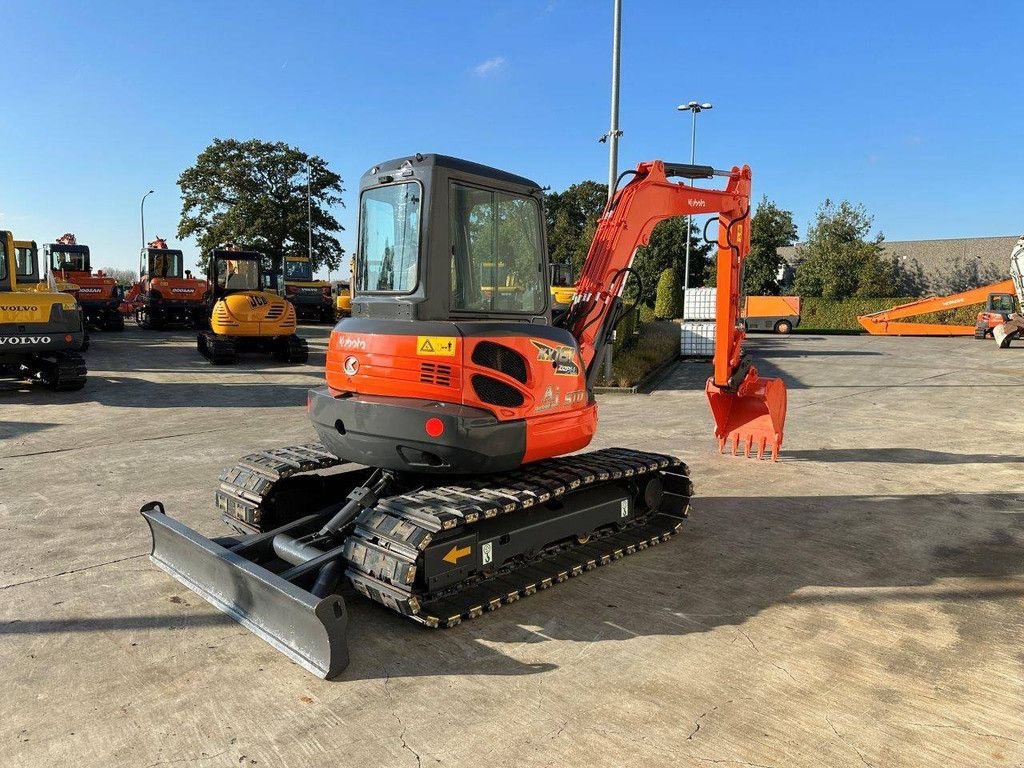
x: 696, y: 202
x: 345, y: 342
x: 16, y: 340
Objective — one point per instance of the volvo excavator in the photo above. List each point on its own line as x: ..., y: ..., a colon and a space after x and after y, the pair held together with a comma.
x: 441, y: 486
x: 42, y: 331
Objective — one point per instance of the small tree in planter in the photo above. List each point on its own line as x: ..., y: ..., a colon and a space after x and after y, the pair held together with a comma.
x: 668, y: 303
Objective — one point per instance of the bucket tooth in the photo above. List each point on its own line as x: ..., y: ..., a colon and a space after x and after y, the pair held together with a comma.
x: 754, y: 414
x: 307, y: 629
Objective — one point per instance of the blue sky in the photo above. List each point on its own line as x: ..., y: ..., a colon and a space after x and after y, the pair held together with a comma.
x: 914, y: 109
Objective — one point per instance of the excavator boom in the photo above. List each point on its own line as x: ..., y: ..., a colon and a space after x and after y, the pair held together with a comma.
x: 885, y: 322
x: 749, y: 411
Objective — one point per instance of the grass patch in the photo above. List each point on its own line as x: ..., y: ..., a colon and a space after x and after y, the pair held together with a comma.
x: 658, y: 341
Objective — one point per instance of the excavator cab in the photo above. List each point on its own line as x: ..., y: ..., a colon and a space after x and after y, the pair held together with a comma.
x: 1001, y: 303
x: 26, y: 261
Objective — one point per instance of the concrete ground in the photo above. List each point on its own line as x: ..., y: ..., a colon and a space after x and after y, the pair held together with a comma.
x: 858, y: 603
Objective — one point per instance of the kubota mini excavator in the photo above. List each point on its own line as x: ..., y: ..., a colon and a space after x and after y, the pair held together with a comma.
x: 441, y: 488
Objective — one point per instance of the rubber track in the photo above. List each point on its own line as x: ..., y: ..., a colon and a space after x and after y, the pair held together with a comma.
x: 63, y: 371
x: 219, y: 350
x: 383, y: 550
x: 244, y: 487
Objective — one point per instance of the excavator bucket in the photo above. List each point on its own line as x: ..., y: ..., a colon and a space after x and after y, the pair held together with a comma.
x: 307, y: 629
x: 752, y: 417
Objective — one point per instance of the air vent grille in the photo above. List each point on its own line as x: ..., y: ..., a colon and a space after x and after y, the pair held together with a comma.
x: 500, y: 358
x: 434, y: 373
x: 494, y: 392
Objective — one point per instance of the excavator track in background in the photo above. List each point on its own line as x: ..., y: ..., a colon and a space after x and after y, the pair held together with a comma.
x: 396, y: 547
x: 63, y: 371
x: 219, y: 350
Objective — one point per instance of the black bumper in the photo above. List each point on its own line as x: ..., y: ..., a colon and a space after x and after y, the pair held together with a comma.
x: 390, y: 432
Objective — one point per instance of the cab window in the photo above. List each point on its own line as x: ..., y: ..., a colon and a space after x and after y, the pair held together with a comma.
x: 389, y: 239
x: 497, y: 259
x: 25, y: 261
x: 238, y: 275
x: 300, y: 271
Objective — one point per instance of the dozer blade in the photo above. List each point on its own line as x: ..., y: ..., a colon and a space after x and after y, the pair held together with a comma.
x: 752, y: 417
x: 307, y: 629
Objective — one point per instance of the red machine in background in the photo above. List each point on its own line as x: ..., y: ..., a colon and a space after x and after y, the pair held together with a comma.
x: 98, y: 294
x: 165, y: 294
x: 449, y: 408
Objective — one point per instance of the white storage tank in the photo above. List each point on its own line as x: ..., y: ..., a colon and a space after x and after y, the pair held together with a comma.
x: 699, y: 303
x: 697, y: 340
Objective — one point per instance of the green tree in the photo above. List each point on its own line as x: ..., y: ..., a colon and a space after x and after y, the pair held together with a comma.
x: 571, y: 219
x: 669, y: 302
x: 667, y: 249
x: 771, y: 228
x: 839, y: 260
x: 254, y: 193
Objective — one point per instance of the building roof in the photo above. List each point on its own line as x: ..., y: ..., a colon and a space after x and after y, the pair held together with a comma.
x: 935, y: 255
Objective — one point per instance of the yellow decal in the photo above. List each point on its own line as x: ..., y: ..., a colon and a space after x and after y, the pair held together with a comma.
x: 456, y: 553
x: 443, y: 346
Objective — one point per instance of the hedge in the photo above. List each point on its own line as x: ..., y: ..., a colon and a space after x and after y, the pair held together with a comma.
x: 817, y: 314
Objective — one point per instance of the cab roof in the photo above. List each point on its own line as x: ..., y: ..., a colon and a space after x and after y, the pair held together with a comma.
x: 421, y: 161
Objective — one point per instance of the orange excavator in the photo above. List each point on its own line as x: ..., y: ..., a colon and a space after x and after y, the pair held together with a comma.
x: 98, y: 294
x: 442, y: 487
x: 165, y: 294
x: 999, y: 299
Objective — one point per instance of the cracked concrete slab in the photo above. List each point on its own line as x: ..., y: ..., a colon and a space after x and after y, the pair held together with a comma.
x: 859, y: 603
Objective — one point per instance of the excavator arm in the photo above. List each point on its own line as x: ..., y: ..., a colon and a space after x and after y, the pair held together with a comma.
x: 886, y: 322
x: 748, y: 410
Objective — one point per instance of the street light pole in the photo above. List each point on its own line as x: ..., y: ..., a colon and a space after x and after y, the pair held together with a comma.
x: 612, y: 137
x: 693, y: 107
x: 142, y: 217
x: 613, y: 130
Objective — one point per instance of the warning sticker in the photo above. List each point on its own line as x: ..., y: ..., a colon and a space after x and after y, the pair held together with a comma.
x: 443, y: 346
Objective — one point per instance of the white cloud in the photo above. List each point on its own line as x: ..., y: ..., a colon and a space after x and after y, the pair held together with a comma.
x: 489, y: 67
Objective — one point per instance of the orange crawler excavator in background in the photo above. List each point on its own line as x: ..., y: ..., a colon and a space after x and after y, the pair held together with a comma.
x: 998, y: 298
x: 441, y: 487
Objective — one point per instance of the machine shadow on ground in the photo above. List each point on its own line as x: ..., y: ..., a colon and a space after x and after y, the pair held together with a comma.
x: 712, y: 575
x: 901, y: 456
